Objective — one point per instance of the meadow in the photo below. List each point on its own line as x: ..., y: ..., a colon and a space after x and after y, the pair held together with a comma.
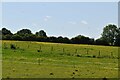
x: 30, y: 59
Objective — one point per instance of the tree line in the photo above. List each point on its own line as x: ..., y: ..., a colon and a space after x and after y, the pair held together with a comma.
x: 109, y: 37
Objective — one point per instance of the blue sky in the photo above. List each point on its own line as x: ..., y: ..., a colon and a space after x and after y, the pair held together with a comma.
x: 60, y: 18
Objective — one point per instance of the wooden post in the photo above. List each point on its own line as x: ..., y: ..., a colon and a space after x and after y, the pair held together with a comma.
x: 38, y: 61
x: 111, y: 54
x: 75, y: 51
x: 87, y: 51
x: 28, y: 46
x: 4, y: 45
x: 99, y: 53
x: 63, y: 50
x: 40, y: 48
x: 51, y: 49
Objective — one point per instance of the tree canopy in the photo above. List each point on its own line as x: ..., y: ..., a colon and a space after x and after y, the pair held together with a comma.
x: 24, y: 32
x: 41, y: 33
x: 110, y: 36
x: 117, y: 39
x: 109, y: 33
x: 6, y: 31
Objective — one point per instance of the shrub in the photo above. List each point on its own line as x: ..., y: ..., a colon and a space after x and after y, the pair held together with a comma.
x: 88, y: 56
x: 8, y: 77
x: 104, y: 78
x: 94, y: 56
x: 78, y: 55
x: 51, y: 73
x: 73, y: 72
x: 76, y: 70
x: 38, y: 50
x: 12, y: 46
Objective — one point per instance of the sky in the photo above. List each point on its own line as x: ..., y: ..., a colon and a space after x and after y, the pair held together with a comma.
x: 67, y: 19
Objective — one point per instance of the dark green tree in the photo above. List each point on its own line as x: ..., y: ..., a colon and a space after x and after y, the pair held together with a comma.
x: 52, y: 39
x: 41, y: 33
x: 24, y: 32
x: 0, y: 34
x: 60, y: 39
x: 17, y: 37
x: 80, y: 39
x: 66, y: 40
x: 6, y: 32
x: 101, y: 41
x: 117, y: 40
x: 29, y: 37
x: 109, y: 33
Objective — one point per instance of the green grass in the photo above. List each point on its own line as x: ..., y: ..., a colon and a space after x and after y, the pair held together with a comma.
x: 39, y: 59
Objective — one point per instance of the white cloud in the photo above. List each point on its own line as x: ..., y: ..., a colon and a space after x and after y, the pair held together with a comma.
x: 84, y: 22
x: 72, y: 22
x: 46, y: 18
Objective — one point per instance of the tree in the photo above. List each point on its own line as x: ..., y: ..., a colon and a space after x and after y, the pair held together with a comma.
x: 41, y: 33
x: 24, y: 32
x: 16, y: 37
x: 66, y: 40
x: 100, y: 41
x: 80, y: 39
x: 42, y: 39
x: 52, y: 39
x: 109, y: 33
x: 7, y: 37
x: 117, y: 40
x: 6, y: 32
x: 29, y: 37
x: 0, y: 34
x: 61, y: 39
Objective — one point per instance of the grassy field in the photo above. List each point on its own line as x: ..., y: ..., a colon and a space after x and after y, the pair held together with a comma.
x: 54, y: 60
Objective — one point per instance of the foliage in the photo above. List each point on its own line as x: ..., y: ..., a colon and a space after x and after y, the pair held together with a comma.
x: 80, y: 39
x: 110, y: 36
x: 6, y: 31
x: 101, y: 41
x: 41, y: 33
x: 16, y: 37
x: 117, y: 40
x: 12, y: 46
x: 109, y: 33
x: 24, y: 32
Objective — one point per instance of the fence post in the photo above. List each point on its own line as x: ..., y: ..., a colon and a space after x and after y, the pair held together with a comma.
x: 111, y: 54
x: 87, y: 51
x: 38, y: 61
x: 51, y: 49
x: 75, y: 51
x: 40, y: 48
x: 28, y: 45
x: 99, y: 53
x: 5, y: 46
x: 63, y: 50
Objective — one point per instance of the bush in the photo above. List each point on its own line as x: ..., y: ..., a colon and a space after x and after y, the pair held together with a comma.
x: 78, y: 55
x: 94, y: 56
x: 12, y: 46
x: 51, y: 74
